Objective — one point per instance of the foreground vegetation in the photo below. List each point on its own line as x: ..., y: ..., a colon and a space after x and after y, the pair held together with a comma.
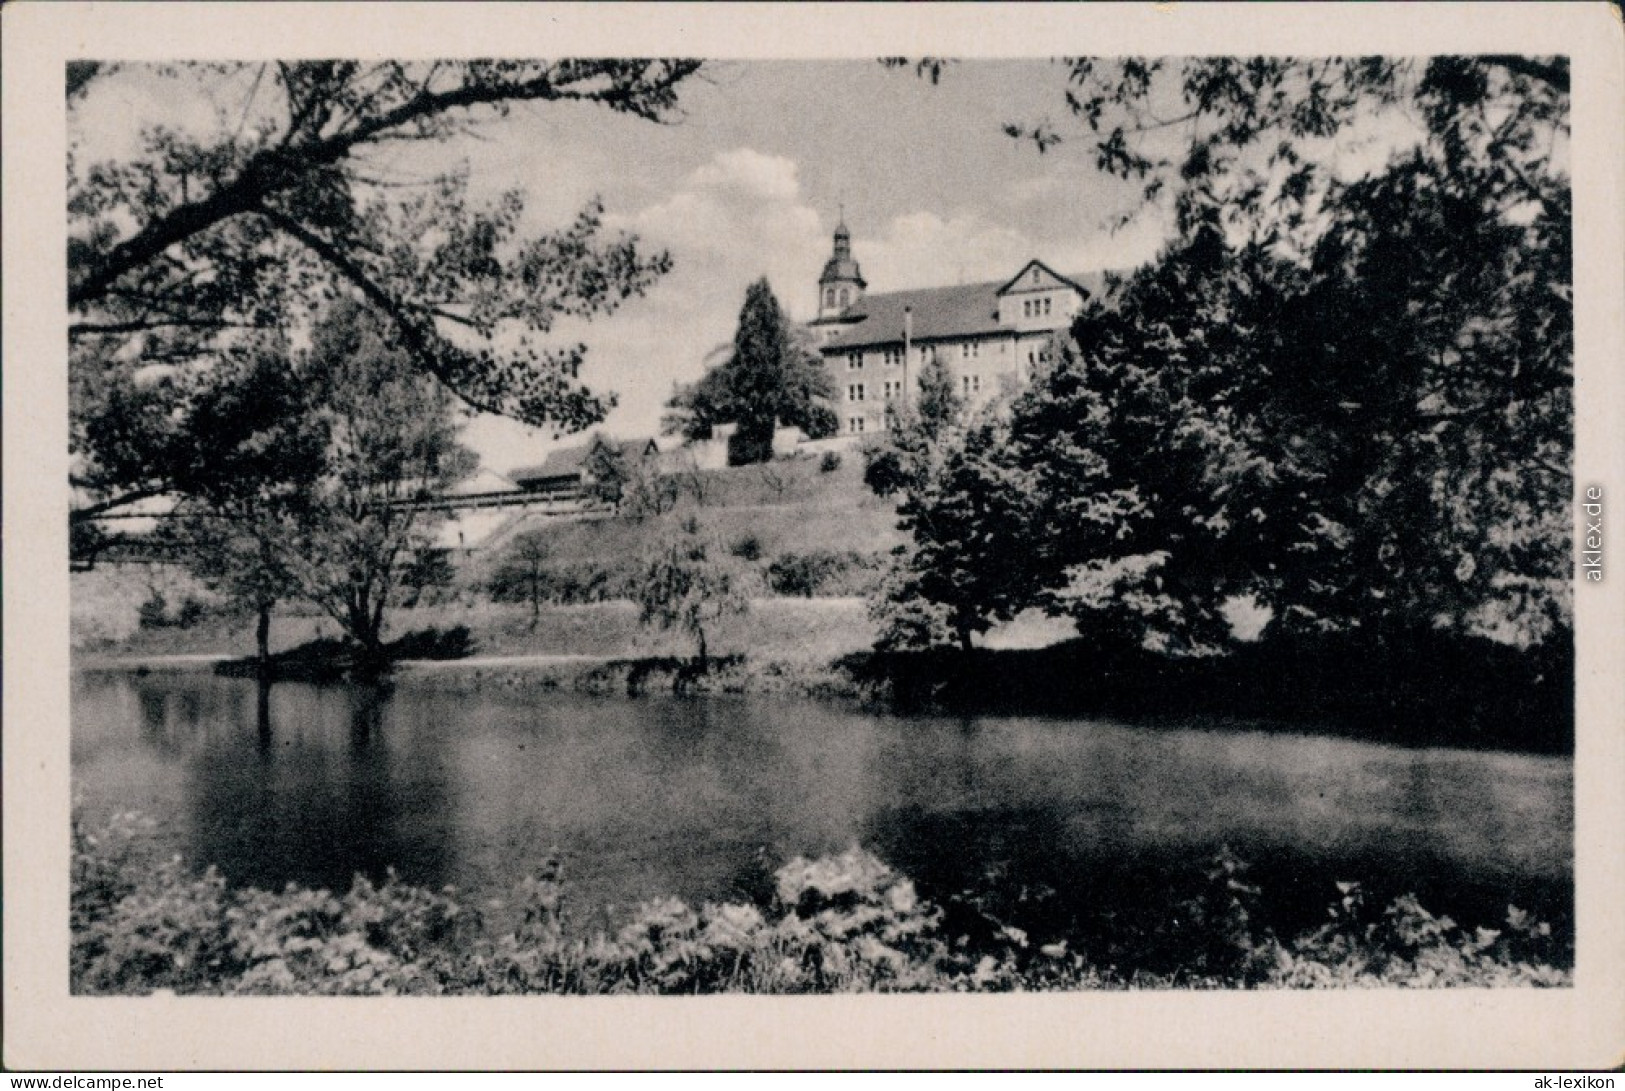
x: 847, y: 923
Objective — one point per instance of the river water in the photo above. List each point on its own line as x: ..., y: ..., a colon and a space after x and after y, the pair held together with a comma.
x: 702, y: 798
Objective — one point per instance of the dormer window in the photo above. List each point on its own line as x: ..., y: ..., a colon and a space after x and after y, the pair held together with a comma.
x: 829, y: 297
x: 843, y: 297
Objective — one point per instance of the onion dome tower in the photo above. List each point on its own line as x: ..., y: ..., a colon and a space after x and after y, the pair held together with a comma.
x: 841, y: 284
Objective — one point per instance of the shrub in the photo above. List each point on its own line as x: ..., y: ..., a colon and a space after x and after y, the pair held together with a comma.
x: 154, y: 613
x: 830, y: 462
x: 428, y: 572
x: 824, y: 572
x: 571, y: 583
x: 842, y: 923
x: 748, y: 548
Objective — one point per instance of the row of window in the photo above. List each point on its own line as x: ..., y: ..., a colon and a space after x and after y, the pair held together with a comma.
x: 1035, y: 308
x: 967, y: 351
x: 855, y: 392
x: 893, y: 357
x: 830, y: 297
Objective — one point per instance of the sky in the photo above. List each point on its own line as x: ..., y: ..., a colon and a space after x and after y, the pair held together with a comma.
x: 750, y: 179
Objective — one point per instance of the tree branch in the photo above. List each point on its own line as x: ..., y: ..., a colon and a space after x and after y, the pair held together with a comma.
x: 1554, y: 74
x: 273, y: 170
x: 102, y: 507
x: 418, y: 342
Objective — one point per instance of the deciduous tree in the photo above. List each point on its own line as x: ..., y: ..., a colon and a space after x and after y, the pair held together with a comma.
x: 689, y: 584
x: 1342, y: 392
x: 300, y: 192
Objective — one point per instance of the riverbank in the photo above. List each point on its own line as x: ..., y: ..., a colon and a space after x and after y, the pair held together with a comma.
x: 107, y: 624
x: 1427, y: 689
x: 1495, y: 700
x: 845, y: 923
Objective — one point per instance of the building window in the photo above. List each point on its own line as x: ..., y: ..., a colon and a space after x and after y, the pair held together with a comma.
x: 894, y: 357
x: 854, y: 361
x: 972, y: 384
x: 1035, y: 276
x: 843, y: 297
x: 854, y: 392
x: 1046, y: 305
x: 829, y: 297
x: 854, y: 424
x: 1026, y: 308
x: 970, y: 350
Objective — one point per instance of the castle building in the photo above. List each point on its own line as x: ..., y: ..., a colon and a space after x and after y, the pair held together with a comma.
x: 989, y: 335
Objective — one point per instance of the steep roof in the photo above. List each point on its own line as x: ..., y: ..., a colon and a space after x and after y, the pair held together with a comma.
x: 963, y: 310
x: 483, y: 481
x: 572, y: 461
x: 1035, y: 263
x: 563, y: 462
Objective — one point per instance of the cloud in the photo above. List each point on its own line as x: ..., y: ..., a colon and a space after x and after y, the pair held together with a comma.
x: 742, y: 215
x: 750, y: 175
x: 921, y: 250
x: 737, y: 217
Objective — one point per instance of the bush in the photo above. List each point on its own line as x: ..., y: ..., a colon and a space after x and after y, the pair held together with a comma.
x: 824, y: 572
x: 428, y: 571
x: 155, y: 613
x: 748, y: 548
x: 830, y: 462
x: 842, y: 923
x: 571, y: 583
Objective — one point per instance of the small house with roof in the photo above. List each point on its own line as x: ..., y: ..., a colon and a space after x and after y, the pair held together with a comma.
x: 990, y: 334
x: 569, y: 469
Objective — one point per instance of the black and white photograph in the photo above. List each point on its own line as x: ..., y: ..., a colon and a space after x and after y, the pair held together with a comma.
x: 1062, y: 522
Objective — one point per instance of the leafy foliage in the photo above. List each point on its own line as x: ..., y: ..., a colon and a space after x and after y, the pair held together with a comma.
x: 521, y: 575
x: 835, y: 924
x: 916, y: 433
x: 689, y: 584
x: 960, y: 503
x: 634, y: 485
x: 358, y: 534
x: 1244, y: 141
x: 823, y: 572
x: 1344, y: 399
x: 320, y: 501
x: 772, y: 377
x: 207, y: 235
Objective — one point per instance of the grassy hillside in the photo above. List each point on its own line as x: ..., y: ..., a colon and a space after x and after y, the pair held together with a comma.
x: 788, y: 506
x: 790, y: 509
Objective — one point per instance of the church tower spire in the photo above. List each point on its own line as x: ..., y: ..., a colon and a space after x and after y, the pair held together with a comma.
x: 841, y: 284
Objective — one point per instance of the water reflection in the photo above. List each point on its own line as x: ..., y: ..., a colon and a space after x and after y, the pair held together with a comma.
x: 262, y: 716
x: 703, y: 799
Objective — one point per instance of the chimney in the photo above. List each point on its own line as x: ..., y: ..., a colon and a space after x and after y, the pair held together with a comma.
x: 908, y: 339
